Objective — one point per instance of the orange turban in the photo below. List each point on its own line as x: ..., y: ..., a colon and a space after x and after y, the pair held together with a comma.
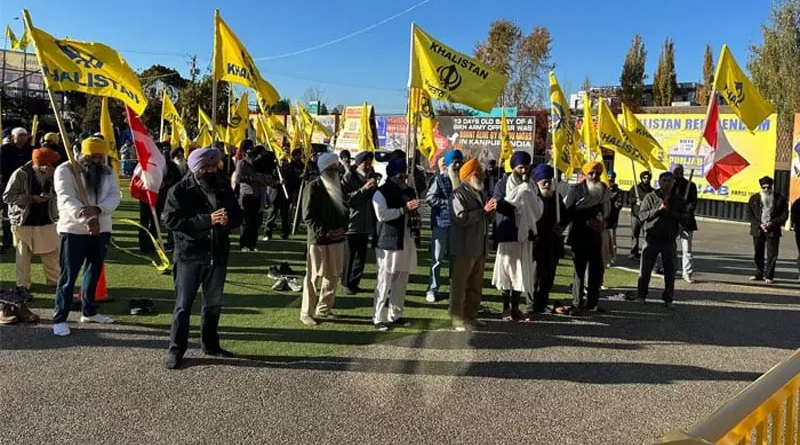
x: 45, y: 156
x: 468, y: 169
x: 589, y: 166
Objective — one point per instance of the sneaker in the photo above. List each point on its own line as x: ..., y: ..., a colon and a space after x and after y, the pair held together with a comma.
x: 280, y: 285
x: 61, y: 329
x: 768, y: 281
x: 7, y: 315
x: 97, y: 318
x: 688, y: 279
x: 285, y: 269
x: 669, y: 305
x: 381, y: 327
x: 294, y: 285
x: 254, y: 249
x: 602, y: 287
x: 307, y: 320
x: 430, y: 297
x: 402, y: 322
x: 265, y: 238
x: 274, y: 273
x: 24, y: 315
x: 245, y: 249
x: 349, y: 291
x: 755, y: 278
x: 507, y: 315
x: 219, y: 352
x: 328, y: 316
x: 173, y: 361
x: 460, y: 328
x: 527, y: 316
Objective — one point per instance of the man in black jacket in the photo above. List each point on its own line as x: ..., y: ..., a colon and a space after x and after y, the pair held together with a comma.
x: 638, y: 192
x: 13, y: 155
x: 358, y: 186
x: 662, y: 213
x: 795, y: 215
x: 688, y: 191
x: 202, y: 211
x: 767, y: 212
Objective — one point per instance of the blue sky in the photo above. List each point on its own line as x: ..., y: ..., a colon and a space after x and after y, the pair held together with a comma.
x: 589, y: 37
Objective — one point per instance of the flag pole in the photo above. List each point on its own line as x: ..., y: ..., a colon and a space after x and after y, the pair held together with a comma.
x: 409, y: 112
x: 62, y: 129
x: 161, y: 132
x: 699, y: 142
x: 214, y: 82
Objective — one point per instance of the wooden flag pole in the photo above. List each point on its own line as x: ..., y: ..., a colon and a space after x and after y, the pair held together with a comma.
x: 699, y: 142
x: 214, y: 84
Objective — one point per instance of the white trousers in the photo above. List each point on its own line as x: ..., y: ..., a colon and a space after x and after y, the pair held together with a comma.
x: 390, y: 296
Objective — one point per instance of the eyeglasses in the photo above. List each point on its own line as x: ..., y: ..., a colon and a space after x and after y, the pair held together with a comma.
x: 766, y: 187
x: 595, y: 173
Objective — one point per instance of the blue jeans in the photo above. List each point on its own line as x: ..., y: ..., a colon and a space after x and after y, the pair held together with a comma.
x: 88, y: 251
x: 188, y: 279
x: 440, y: 249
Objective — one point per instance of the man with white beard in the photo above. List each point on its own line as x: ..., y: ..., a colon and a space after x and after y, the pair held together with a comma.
x: 588, y: 207
x: 767, y: 212
x: 519, y: 207
x: 326, y: 216
x: 395, y: 248
x: 546, y: 250
x: 471, y: 215
x: 439, y: 197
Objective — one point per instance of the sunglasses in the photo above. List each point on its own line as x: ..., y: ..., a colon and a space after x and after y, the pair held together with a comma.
x: 595, y: 173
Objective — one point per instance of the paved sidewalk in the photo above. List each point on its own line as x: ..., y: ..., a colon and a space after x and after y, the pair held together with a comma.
x: 626, y: 377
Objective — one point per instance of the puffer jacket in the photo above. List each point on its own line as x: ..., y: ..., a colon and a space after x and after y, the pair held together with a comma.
x: 19, y: 199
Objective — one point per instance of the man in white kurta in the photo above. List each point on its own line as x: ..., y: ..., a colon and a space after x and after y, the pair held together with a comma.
x: 519, y: 207
x: 395, y: 252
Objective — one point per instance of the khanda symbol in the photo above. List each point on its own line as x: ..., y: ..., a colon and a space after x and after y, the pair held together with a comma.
x: 425, y: 108
x: 88, y: 60
x: 735, y: 98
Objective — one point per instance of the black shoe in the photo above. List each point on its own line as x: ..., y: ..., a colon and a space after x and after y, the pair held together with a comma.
x: 219, y: 352
x: 402, y: 322
x: 274, y: 272
x: 597, y: 310
x: 630, y: 297
x: 349, y: 291
x: 284, y: 236
x: 284, y: 269
x: 173, y: 361
x: 381, y: 327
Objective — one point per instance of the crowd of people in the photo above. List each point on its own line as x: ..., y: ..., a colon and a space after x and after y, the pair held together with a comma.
x: 63, y: 211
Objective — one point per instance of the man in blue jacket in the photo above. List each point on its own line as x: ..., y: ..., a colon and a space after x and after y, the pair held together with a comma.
x: 439, y: 198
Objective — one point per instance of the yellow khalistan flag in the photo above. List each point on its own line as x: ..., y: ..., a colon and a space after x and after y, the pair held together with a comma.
x: 276, y: 127
x: 420, y: 113
x: 238, y: 122
x: 614, y: 137
x: 232, y: 63
x: 270, y: 139
x: 506, y: 149
x: 642, y: 139
x: 589, y: 136
x: 739, y: 92
x: 311, y: 123
x: 365, y: 140
x: 107, y: 129
x: 295, y: 140
x: 91, y: 68
x: 168, y: 111
x: 449, y: 75
x: 204, y: 138
x: 565, y: 140
x: 17, y: 45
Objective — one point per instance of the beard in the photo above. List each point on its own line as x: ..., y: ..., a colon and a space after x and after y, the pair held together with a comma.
x: 209, y: 182
x: 596, y: 188
x: 44, y: 180
x: 94, y: 177
x: 452, y: 173
x: 334, y: 188
x: 546, y: 192
x: 767, y: 199
x: 476, y: 183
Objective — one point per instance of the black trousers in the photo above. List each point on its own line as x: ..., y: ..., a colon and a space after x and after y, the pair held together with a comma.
x: 189, y: 278
x: 797, y: 243
x: 636, y: 231
x: 545, y: 257
x: 279, y: 207
x: 587, y: 253
x: 770, y: 244
x: 511, y: 299
x: 147, y: 221
x: 251, y: 221
x: 650, y: 253
x: 8, y: 239
x: 355, y: 253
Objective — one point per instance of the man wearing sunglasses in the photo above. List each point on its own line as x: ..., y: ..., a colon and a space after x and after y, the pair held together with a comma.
x: 767, y: 212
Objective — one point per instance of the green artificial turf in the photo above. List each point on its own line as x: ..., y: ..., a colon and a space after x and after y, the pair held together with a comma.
x: 259, y: 322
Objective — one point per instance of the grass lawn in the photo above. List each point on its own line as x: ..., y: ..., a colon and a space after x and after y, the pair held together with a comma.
x: 259, y: 322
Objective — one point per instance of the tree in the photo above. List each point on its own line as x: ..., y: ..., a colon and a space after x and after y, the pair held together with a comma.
x: 155, y: 80
x: 665, y: 80
x: 323, y: 110
x: 449, y: 109
x: 281, y: 107
x: 703, y: 93
x: 525, y: 59
x: 314, y: 94
x: 199, y: 94
x: 587, y: 84
x: 633, y: 75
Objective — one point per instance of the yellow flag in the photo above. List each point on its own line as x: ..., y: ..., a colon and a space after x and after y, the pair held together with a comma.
x: 420, y: 114
x: 91, y: 68
x: 449, y: 75
x: 17, y: 45
x: 365, y: 140
x: 204, y: 121
x: 589, y: 135
x: 34, y: 127
x: 295, y: 141
x: 612, y: 136
x: 238, y: 123
x: 506, y: 149
x: 643, y: 140
x: 565, y: 140
x: 107, y: 129
x: 232, y: 63
x: 204, y: 138
x: 276, y: 127
x: 270, y: 139
x: 740, y: 94
x: 311, y: 123
x: 168, y: 111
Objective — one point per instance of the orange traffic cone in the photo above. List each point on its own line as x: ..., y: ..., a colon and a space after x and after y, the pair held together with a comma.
x: 101, y: 294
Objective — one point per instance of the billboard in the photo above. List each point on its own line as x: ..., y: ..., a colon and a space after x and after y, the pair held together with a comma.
x: 348, y: 137
x: 678, y: 135
x: 794, y: 181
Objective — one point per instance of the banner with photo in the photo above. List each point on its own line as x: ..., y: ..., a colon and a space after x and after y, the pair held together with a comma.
x: 794, y: 182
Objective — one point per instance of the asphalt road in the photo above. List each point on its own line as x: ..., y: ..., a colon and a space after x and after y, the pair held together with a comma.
x: 626, y: 377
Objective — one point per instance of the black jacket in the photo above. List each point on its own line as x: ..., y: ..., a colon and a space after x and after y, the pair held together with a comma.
x: 188, y: 215
x: 320, y: 214
x: 615, y: 197
x: 795, y: 212
x: 12, y: 158
x: 359, y: 202
x: 643, y: 189
x: 580, y: 233
x: 778, y: 217
x: 691, y: 201
x: 662, y: 225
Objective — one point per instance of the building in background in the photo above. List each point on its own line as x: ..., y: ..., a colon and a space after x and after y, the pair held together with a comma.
x: 23, y: 90
x: 685, y: 95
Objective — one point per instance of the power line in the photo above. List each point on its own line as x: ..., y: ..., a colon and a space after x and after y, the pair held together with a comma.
x: 348, y: 36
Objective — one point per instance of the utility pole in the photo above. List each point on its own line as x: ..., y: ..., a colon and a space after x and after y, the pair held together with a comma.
x: 194, y: 71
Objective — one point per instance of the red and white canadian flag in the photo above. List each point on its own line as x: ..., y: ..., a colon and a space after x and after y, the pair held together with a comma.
x: 149, y: 172
x: 723, y: 161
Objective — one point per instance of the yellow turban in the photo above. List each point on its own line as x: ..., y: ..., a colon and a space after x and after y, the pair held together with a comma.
x: 94, y: 146
x: 468, y: 169
x: 589, y: 166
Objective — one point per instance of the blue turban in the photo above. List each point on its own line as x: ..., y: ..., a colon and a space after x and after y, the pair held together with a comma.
x: 396, y: 167
x: 520, y: 158
x: 452, y: 156
x: 666, y: 174
x: 363, y: 157
x: 201, y: 157
x: 543, y: 171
